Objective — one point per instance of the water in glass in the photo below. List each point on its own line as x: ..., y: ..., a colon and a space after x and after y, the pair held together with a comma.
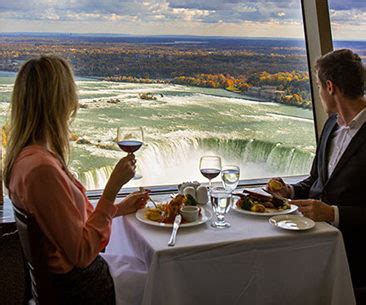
x: 230, y: 175
x: 221, y: 203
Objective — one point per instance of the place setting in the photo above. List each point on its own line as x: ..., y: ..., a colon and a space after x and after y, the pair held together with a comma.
x: 266, y: 202
x: 181, y: 211
x: 254, y: 202
x: 192, y: 199
x: 190, y: 207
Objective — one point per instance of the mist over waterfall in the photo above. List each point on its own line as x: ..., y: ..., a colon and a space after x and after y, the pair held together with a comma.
x: 171, y: 162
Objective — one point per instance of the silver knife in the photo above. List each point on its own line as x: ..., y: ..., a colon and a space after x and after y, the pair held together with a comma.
x: 176, y: 224
x: 276, y: 195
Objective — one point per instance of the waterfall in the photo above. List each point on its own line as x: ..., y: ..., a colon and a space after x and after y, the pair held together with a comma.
x: 96, y: 178
x: 284, y: 159
x: 168, y: 161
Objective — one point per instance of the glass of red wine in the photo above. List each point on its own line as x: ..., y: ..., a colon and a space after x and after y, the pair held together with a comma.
x: 210, y: 167
x: 130, y: 140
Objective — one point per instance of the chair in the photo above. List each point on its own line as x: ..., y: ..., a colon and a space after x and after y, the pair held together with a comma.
x: 30, y: 236
x: 360, y: 294
x: 12, y: 272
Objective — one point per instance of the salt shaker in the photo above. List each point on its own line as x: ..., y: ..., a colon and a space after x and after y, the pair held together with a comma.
x: 201, y: 194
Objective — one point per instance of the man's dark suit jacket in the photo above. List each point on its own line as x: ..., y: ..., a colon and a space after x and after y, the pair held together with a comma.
x: 346, y: 188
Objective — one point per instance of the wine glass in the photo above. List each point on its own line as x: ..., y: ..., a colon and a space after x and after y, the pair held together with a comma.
x: 130, y: 139
x: 210, y: 167
x: 230, y: 175
x: 221, y: 203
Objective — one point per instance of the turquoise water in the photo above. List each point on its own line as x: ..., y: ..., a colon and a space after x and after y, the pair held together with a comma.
x: 184, y: 123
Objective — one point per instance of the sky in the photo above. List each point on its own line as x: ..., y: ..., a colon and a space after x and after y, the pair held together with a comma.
x: 247, y: 18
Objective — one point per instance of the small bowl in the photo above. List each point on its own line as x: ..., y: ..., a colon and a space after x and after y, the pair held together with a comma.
x: 190, y: 213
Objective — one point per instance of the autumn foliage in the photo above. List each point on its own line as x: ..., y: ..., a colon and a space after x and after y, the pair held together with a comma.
x: 295, y: 84
x: 225, y: 81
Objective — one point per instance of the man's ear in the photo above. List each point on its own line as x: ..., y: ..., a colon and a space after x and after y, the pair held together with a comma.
x: 330, y: 87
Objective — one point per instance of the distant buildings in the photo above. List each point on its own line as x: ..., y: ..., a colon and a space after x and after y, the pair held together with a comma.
x: 266, y: 92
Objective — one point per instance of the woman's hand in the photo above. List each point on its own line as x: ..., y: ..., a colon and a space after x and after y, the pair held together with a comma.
x: 122, y: 173
x: 132, y: 203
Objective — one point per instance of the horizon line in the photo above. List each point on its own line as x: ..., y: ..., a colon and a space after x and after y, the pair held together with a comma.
x: 92, y: 34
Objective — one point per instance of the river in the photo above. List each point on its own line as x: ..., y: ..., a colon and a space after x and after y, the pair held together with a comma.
x: 184, y: 123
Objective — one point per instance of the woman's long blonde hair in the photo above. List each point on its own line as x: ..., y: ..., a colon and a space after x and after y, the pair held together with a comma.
x: 43, y: 101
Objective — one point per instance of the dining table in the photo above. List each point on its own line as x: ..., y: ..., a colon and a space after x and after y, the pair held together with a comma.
x: 252, y: 262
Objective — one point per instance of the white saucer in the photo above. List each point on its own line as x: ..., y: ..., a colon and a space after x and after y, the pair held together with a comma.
x: 292, y: 222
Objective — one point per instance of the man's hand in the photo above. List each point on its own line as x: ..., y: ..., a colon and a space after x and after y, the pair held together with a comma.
x: 278, y: 187
x: 132, y: 203
x: 315, y: 209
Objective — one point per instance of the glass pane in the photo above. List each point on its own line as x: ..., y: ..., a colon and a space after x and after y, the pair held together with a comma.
x: 348, y: 25
x: 227, y: 78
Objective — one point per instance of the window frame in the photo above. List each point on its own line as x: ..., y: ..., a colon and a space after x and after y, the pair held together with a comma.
x: 318, y: 39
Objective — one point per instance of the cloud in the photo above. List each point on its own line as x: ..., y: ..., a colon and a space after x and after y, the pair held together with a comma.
x: 191, y: 14
x: 345, y: 5
x: 136, y: 16
x: 238, y: 11
x: 210, y: 11
x: 347, y: 16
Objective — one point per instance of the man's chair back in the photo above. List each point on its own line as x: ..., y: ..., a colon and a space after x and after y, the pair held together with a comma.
x: 31, y: 236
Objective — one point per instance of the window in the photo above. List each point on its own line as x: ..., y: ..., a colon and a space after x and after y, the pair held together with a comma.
x: 348, y: 25
x: 225, y: 78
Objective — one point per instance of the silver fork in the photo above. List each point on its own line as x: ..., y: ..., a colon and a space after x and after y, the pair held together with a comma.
x: 154, y: 203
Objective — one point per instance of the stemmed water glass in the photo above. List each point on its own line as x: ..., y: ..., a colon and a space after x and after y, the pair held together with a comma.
x: 230, y: 175
x: 210, y: 167
x: 130, y: 139
x: 221, y: 203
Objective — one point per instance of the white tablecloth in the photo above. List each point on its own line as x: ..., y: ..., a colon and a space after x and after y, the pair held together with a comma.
x: 252, y: 262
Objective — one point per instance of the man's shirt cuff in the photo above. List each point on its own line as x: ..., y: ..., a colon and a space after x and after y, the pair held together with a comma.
x: 335, y: 222
x: 292, y: 191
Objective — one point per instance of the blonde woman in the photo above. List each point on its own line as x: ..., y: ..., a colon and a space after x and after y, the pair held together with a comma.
x: 44, y: 101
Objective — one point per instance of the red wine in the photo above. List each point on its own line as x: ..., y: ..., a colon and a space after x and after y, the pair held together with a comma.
x: 210, y: 173
x: 129, y: 146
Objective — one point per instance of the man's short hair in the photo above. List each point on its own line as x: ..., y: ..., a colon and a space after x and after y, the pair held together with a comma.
x: 345, y: 69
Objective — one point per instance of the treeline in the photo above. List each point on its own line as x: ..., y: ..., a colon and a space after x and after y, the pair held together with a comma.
x: 291, y: 87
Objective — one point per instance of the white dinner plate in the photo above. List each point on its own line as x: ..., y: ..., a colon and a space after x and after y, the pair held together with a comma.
x: 205, y: 216
x: 292, y: 222
x: 269, y: 212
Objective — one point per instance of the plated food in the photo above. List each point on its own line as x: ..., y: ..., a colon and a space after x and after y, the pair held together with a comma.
x: 205, y: 216
x: 256, y: 203
x: 166, y: 212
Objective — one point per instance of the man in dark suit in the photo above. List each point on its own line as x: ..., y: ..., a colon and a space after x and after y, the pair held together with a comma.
x: 335, y: 191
